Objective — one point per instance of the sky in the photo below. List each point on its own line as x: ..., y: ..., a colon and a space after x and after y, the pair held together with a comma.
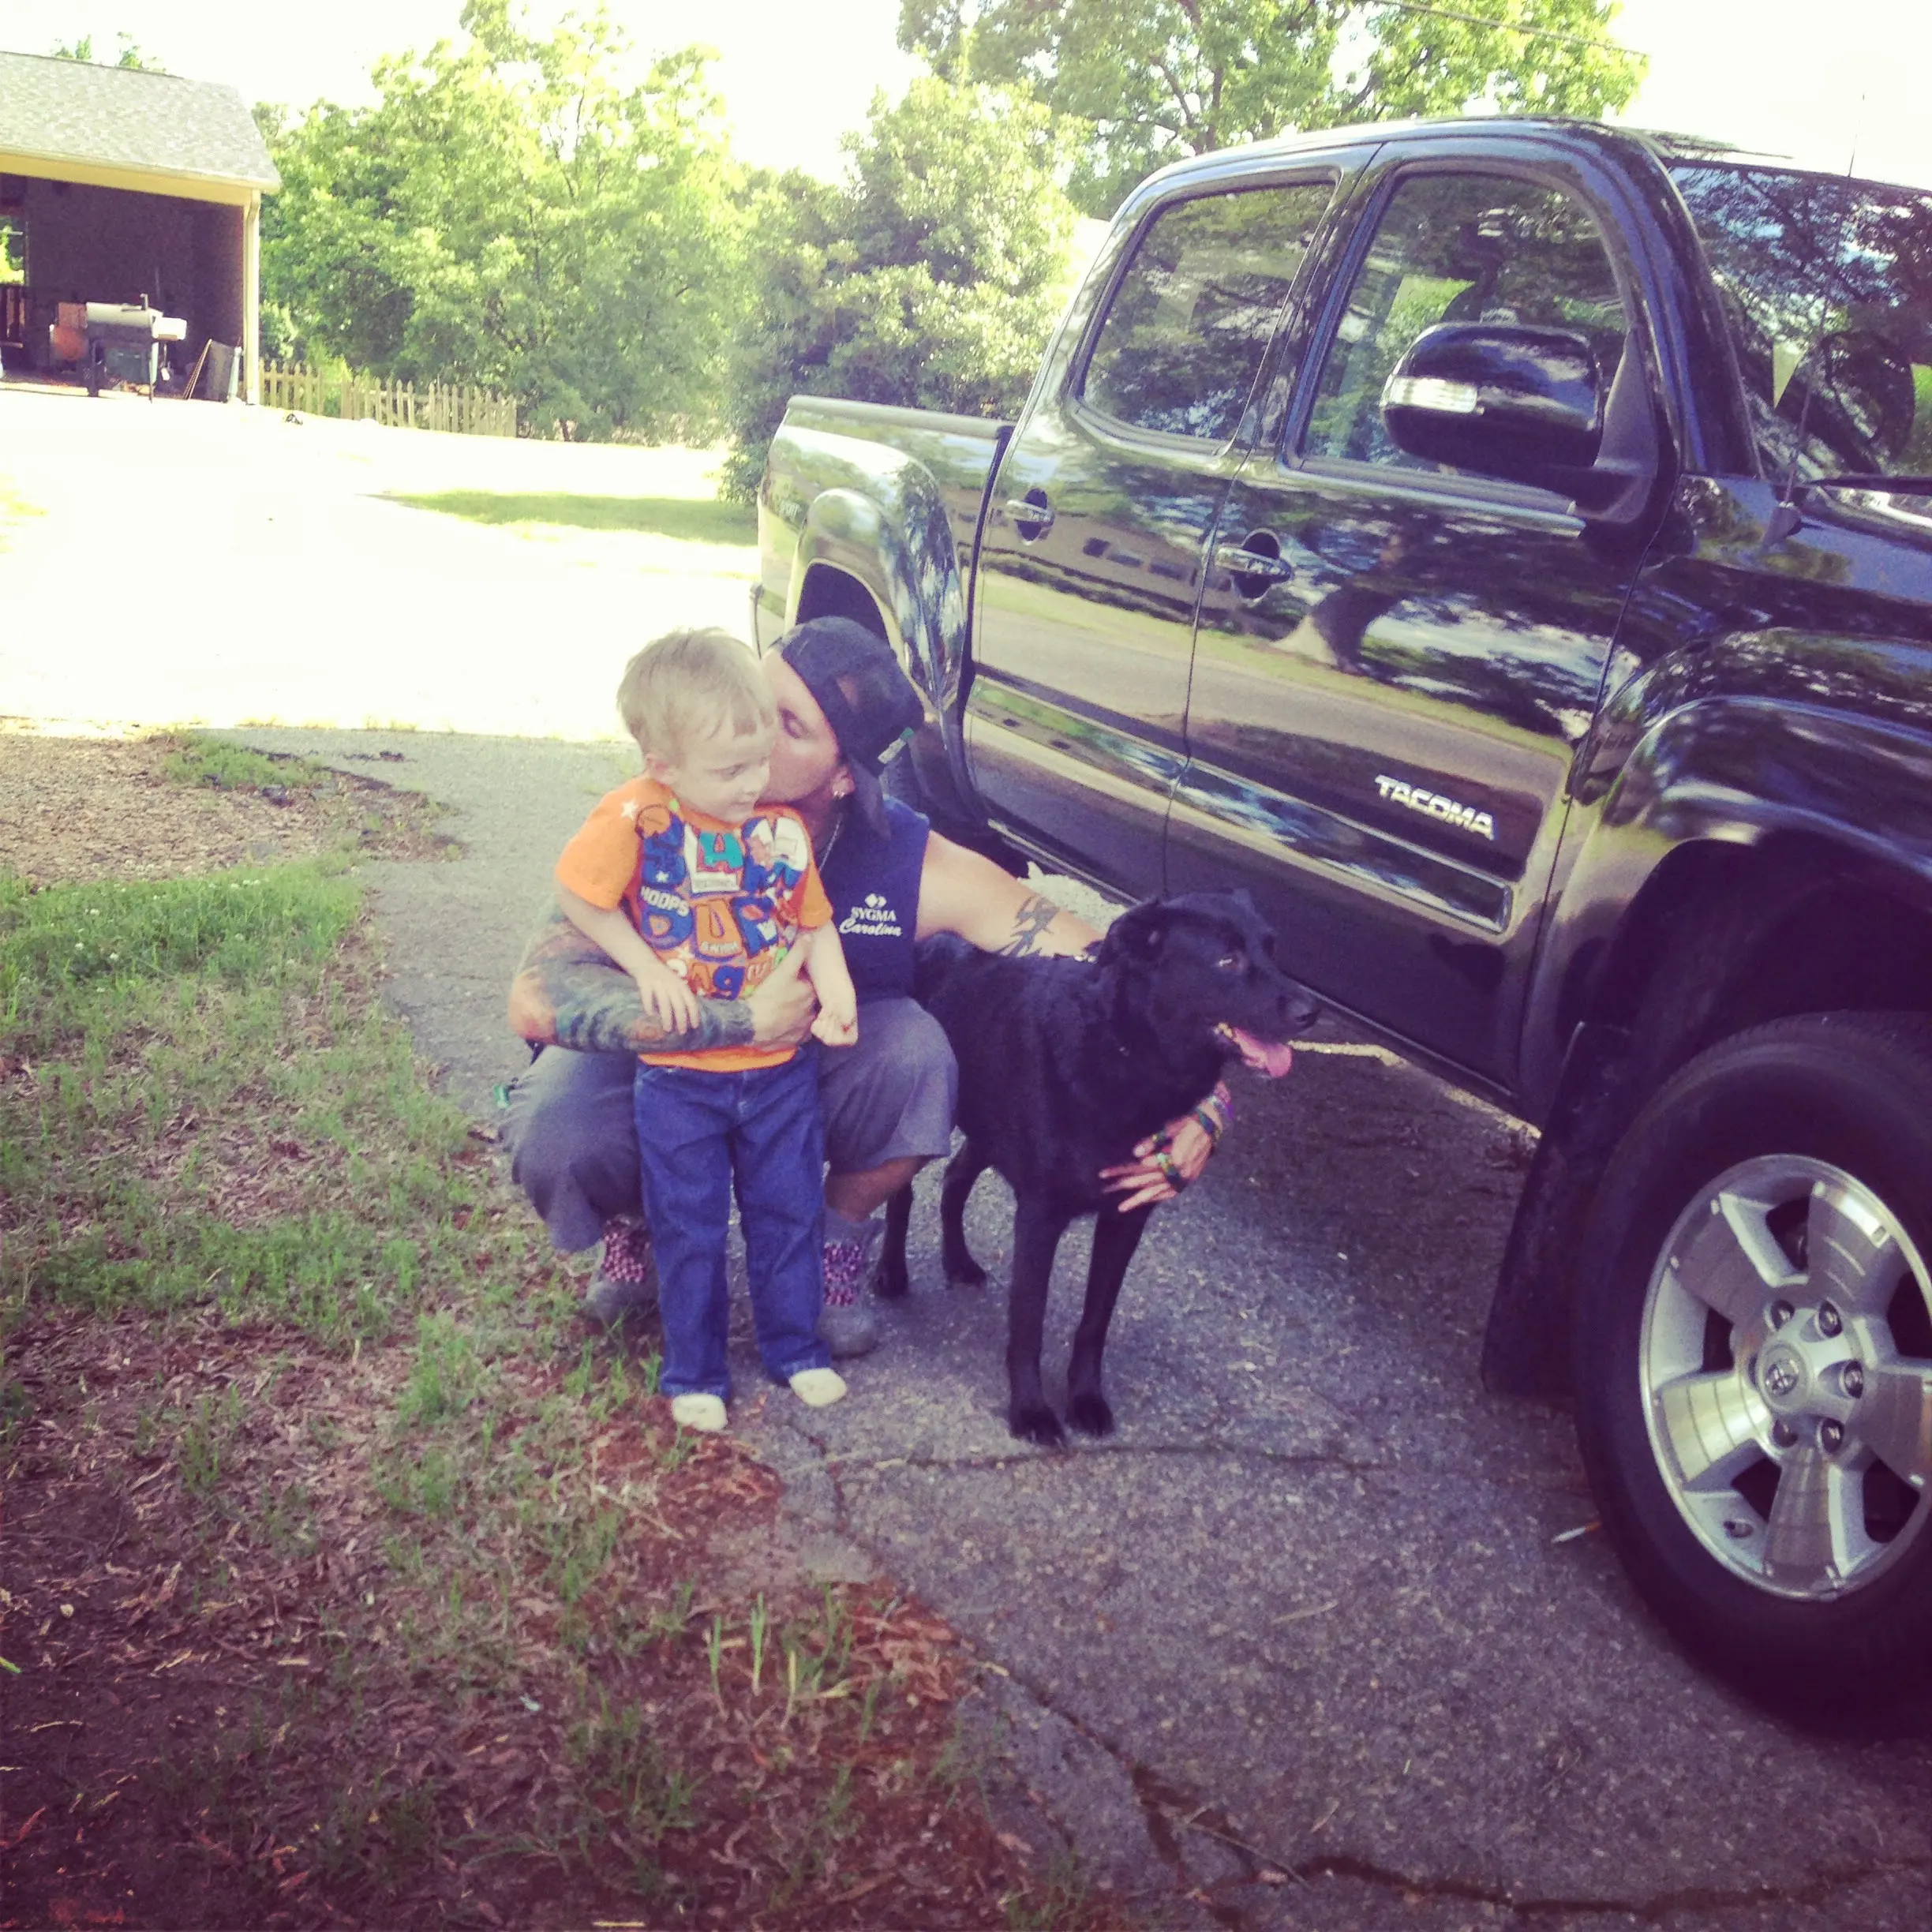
x: 1786, y: 76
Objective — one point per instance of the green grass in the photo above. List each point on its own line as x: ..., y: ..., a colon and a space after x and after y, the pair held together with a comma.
x: 338, y: 1195
x: 691, y: 519
x: 199, y: 761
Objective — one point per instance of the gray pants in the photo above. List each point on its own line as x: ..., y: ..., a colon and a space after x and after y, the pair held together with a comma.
x: 572, y: 1131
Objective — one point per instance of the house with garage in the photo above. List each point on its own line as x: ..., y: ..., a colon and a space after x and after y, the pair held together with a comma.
x: 119, y: 185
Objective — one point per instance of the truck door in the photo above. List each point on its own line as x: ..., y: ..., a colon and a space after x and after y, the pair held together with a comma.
x: 1384, y: 708
x: 1091, y: 561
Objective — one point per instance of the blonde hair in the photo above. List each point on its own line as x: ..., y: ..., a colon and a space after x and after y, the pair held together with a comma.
x: 688, y: 684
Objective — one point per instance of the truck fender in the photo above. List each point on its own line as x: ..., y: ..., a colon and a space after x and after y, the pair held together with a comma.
x: 897, y: 548
x: 1723, y: 778
x: 1726, y: 793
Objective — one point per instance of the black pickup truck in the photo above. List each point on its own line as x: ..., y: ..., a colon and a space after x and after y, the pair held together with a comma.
x: 1504, y: 547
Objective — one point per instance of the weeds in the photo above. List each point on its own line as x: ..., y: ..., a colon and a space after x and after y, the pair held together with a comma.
x: 758, y: 1642
x: 198, y: 761
x: 1063, y: 1902
x: 204, y: 1437
x: 624, y: 1773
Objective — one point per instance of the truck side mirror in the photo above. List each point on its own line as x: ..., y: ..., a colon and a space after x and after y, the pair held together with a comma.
x: 1526, y: 404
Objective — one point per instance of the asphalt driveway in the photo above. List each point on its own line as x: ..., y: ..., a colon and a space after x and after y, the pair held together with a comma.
x: 1310, y: 1642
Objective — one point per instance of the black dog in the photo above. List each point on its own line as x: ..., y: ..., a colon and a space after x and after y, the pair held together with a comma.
x: 1065, y: 1066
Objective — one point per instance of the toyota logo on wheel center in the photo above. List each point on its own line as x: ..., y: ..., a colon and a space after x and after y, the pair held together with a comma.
x: 1781, y: 1376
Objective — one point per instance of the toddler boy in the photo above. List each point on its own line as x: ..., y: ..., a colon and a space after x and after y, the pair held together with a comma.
x: 695, y: 890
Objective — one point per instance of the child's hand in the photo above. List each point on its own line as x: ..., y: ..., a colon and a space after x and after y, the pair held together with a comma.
x: 837, y: 1022
x: 668, y: 1001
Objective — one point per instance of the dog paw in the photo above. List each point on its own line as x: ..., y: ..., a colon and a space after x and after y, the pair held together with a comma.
x: 890, y: 1280
x: 1035, y: 1422
x: 1091, y: 1415
x: 963, y: 1272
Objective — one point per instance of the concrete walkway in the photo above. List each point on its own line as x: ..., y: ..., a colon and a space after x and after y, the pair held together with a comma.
x: 1301, y: 1647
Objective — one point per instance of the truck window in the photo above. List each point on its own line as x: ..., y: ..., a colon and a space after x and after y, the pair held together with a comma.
x: 1827, y: 284
x: 1458, y: 248
x: 1190, y: 320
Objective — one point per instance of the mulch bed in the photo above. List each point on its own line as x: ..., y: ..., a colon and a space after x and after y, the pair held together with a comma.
x: 75, y: 810
x: 209, y: 1730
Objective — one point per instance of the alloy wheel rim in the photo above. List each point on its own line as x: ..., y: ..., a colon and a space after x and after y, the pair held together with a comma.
x: 1785, y: 1370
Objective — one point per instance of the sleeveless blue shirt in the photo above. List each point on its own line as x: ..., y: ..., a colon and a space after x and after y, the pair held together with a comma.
x: 874, y: 885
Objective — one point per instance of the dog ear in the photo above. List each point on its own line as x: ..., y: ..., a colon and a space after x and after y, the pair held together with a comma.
x: 1139, y: 932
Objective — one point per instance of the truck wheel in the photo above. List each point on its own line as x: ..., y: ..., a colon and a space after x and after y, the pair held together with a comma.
x: 1754, y: 1355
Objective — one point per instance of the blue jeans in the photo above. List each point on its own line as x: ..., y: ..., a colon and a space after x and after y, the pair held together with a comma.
x: 698, y: 1132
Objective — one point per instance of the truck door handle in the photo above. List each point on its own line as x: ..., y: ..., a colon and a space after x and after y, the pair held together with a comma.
x: 1029, y: 515
x: 1238, y: 560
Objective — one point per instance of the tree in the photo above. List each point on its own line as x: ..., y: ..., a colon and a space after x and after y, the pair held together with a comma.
x: 930, y: 277
x: 1148, y: 81
x: 130, y: 54
x: 508, y: 214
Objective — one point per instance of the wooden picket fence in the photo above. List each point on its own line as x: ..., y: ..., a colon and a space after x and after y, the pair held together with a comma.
x: 460, y: 408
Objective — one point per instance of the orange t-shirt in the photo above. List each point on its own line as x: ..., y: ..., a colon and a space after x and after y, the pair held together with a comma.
x: 721, y: 905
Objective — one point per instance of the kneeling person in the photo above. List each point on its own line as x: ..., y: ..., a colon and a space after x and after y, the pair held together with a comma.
x: 685, y: 881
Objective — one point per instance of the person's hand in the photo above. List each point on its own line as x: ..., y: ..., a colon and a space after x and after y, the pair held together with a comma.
x: 837, y: 1024
x: 781, y: 1006
x: 668, y: 1001
x: 1164, y: 1163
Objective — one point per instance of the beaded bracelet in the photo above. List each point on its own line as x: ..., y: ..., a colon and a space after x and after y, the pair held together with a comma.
x: 1215, y: 1114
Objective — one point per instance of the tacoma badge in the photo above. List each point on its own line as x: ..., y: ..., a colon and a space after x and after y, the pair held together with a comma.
x: 1401, y: 792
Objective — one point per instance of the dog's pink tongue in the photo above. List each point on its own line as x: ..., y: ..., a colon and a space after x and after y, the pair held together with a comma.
x: 1273, y: 1058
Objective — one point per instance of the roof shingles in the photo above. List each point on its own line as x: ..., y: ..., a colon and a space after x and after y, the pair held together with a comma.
x: 131, y: 118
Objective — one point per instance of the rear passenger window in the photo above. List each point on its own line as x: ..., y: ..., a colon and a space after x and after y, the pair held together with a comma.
x: 1182, y: 343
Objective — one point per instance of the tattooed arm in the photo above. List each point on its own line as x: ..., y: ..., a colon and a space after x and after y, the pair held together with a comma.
x: 569, y: 992
x: 961, y: 893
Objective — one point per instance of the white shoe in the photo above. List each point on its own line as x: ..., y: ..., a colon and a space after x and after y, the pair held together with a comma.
x: 818, y: 1388
x: 700, y: 1411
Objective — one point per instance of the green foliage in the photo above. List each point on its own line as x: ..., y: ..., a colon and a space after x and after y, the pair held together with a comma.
x: 130, y: 56
x: 928, y: 279
x: 1148, y: 81
x: 509, y: 214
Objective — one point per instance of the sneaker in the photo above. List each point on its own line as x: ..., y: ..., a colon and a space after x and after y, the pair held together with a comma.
x: 817, y: 1388
x: 847, y: 1325
x: 626, y: 1280
x: 700, y: 1411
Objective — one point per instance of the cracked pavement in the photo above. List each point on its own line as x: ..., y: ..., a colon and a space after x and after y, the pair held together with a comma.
x: 1300, y: 1646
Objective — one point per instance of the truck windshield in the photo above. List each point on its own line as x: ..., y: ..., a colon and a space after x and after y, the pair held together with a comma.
x: 1828, y: 284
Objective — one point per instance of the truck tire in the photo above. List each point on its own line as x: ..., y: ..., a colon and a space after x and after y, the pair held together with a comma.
x: 1753, y: 1364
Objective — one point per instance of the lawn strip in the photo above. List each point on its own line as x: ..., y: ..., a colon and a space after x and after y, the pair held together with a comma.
x: 688, y: 519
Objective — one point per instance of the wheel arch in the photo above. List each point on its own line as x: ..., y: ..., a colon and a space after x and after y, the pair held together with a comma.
x: 1695, y: 910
